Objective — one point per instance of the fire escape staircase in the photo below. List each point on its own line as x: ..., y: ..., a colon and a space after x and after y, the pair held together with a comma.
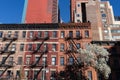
x: 5, y: 50
x: 36, y: 63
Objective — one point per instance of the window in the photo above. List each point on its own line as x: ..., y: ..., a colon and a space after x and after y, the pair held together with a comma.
x: 54, y: 34
x: 16, y: 34
x: 53, y: 75
x: 62, y: 34
x: 29, y: 47
x: 44, y: 60
x: 35, y: 73
x: 19, y: 60
x: 103, y: 15
x: 39, y: 34
x: 1, y: 33
x: 46, y: 34
x: 9, y: 34
x: 78, y: 15
x: 78, y: 58
x: 70, y: 33
x: 78, y: 5
x: 10, y: 62
x: 27, y: 60
x: 45, y: 47
x: 38, y: 46
x: 71, y: 47
x: 54, y: 47
x: 78, y: 45
x: 61, y: 61
x: 77, y: 33
x: 36, y: 59
x: 89, y: 75
x: 21, y: 47
x: 26, y: 73
x: 53, y: 60
x: 31, y: 34
x: 62, y: 47
x: 86, y: 33
x: 13, y: 47
x: 23, y: 34
x: 71, y: 60
x: 78, y: 20
x: 17, y: 75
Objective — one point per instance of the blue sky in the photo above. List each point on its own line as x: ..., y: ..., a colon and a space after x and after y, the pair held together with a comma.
x: 11, y: 10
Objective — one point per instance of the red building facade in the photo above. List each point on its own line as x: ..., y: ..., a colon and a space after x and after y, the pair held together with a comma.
x: 41, y: 11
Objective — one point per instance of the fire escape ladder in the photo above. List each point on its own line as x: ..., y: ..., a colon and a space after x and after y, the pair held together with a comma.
x: 37, y: 62
x: 4, y: 71
x: 36, y: 76
x: 4, y: 60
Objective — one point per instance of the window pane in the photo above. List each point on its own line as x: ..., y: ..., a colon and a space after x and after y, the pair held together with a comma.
x: 21, y: 47
x: 62, y: 47
x: 9, y: 34
x: 31, y: 34
x: 70, y: 33
x: 16, y: 34
x: 53, y: 60
x: 62, y: 35
x: 54, y: 47
x: 86, y: 34
x: 29, y: 47
x: 39, y: 34
x: 23, y: 34
x: 61, y: 60
x: 77, y: 33
x: 46, y: 34
x: 78, y: 45
x: 27, y: 60
x: 54, y: 34
x: 71, y: 60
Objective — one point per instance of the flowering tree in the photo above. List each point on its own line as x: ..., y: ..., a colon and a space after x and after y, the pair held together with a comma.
x: 96, y: 57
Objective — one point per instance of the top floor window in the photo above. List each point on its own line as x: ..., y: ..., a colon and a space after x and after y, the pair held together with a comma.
x: 31, y: 34
x: 23, y: 34
x: 70, y: 33
x: 54, y: 34
x: 62, y: 34
x: 16, y: 34
x: 39, y: 34
x: 46, y: 34
x: 86, y: 33
x: 9, y: 34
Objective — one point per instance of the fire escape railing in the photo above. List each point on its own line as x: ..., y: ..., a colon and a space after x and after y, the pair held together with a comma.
x: 7, y: 50
x: 35, y: 64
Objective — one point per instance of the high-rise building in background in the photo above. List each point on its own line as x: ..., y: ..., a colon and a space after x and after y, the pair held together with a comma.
x: 100, y: 14
x: 40, y: 11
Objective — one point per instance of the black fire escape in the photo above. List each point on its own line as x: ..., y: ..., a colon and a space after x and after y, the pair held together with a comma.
x: 8, y: 51
x: 36, y: 64
x: 73, y: 70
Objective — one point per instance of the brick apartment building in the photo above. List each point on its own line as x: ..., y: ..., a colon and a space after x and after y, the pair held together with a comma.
x: 101, y: 16
x: 37, y: 51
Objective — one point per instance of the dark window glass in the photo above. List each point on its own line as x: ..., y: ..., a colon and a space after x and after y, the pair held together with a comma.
x: 61, y: 61
x: 16, y: 34
x: 29, y: 47
x: 1, y: 34
x: 9, y: 34
x: 103, y: 15
x: 70, y: 33
x: 71, y: 47
x: 23, y: 34
x: 77, y: 33
x: 21, y: 47
x: 71, y: 60
x: 53, y: 75
x: 78, y: 45
x: 86, y: 33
